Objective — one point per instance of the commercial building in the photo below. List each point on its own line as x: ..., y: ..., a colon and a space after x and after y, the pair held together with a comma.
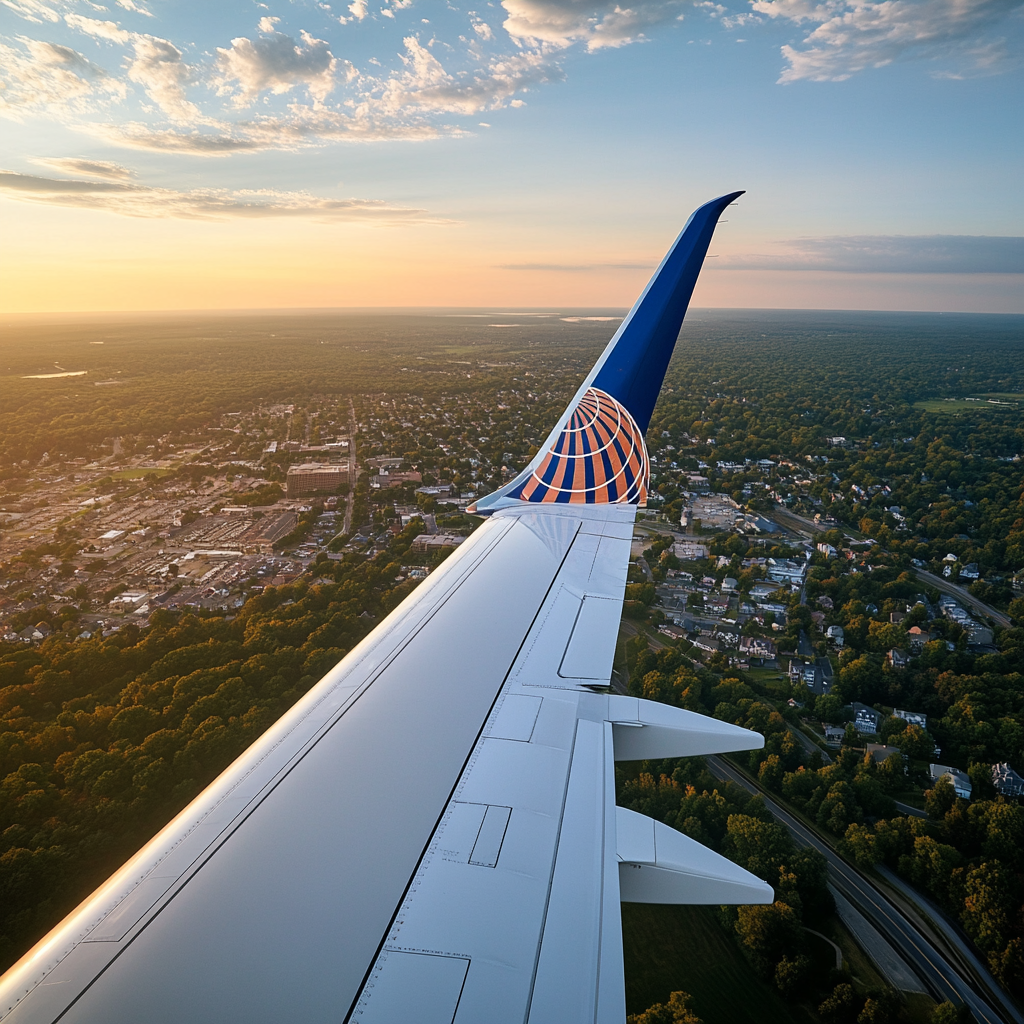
x: 786, y: 570
x: 314, y: 477
x: 436, y: 541
x: 395, y: 478
x: 688, y: 551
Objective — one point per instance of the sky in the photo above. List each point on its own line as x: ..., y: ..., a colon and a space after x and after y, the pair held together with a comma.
x: 179, y: 154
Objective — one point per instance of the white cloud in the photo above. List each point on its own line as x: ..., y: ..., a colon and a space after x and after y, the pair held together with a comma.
x: 136, y: 135
x: 798, y: 10
x: 109, y: 30
x: 427, y: 86
x: 32, y: 10
x: 301, y: 129
x: 158, y: 67
x: 481, y: 72
x: 599, y: 24
x: 91, y: 168
x: 276, y: 63
x: 132, y: 200
x: 54, y: 79
x: 130, y: 5
x: 853, y: 35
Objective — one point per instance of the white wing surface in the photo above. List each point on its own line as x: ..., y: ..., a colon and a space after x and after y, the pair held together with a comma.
x: 430, y: 835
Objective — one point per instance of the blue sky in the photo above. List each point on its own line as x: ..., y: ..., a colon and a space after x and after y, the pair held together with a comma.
x: 181, y: 154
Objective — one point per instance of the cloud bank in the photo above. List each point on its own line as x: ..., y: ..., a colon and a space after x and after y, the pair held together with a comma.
x: 135, y: 200
x: 579, y: 268
x: 961, y: 37
x: 270, y: 89
x: 891, y: 254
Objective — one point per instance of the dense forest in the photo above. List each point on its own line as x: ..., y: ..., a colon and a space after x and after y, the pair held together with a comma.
x: 104, y: 740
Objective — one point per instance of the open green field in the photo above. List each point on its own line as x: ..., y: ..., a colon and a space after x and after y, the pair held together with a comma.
x: 671, y: 948
x: 974, y: 404
x: 767, y: 676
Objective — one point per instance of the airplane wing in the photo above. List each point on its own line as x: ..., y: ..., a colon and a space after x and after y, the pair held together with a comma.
x: 430, y: 835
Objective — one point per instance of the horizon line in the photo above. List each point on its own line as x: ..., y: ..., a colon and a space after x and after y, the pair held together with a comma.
x: 488, y: 310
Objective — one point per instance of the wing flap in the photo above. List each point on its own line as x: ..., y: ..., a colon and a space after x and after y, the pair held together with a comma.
x: 661, y: 865
x: 647, y: 730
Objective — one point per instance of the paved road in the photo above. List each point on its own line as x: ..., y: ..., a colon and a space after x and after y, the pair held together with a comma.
x: 915, y: 812
x: 631, y: 629
x: 955, y: 590
x: 353, y: 467
x: 940, y: 977
x: 808, y: 744
x: 892, y: 966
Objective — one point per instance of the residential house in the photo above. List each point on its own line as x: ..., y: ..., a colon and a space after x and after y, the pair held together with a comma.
x: 757, y: 647
x: 708, y: 644
x: 672, y: 632
x: 912, y: 717
x: 918, y: 637
x: 1007, y: 781
x: 961, y: 780
x: 834, y: 734
x: 897, y: 659
x: 879, y: 751
x: 865, y: 719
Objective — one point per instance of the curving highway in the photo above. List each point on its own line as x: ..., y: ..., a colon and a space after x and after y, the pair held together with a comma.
x: 940, y: 977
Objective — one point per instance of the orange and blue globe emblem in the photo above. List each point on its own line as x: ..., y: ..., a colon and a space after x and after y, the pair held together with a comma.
x: 599, y: 458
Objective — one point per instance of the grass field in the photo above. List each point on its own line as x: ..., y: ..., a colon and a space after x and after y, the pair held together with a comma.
x: 687, y: 948
x: 961, y: 405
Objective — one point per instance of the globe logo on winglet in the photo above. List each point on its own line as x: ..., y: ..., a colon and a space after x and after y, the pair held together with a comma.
x: 599, y: 458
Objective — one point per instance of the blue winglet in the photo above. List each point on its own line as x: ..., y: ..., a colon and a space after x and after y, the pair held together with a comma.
x: 596, y: 452
x: 633, y: 366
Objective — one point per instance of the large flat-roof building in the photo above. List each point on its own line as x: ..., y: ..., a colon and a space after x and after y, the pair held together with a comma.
x: 311, y: 477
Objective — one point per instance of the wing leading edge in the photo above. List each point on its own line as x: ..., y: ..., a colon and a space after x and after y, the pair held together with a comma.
x: 431, y: 833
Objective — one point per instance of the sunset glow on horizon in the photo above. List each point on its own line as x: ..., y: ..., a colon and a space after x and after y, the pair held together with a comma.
x: 537, y: 152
